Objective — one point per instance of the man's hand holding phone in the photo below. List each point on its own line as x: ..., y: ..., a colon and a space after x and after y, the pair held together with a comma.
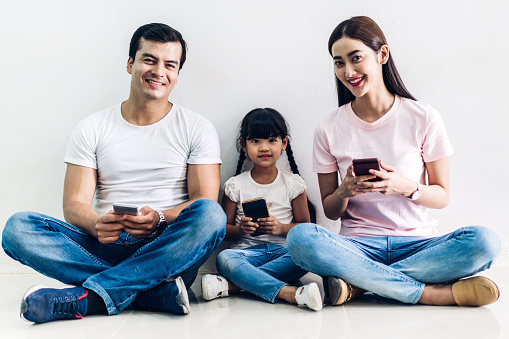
x: 141, y: 225
x: 109, y: 227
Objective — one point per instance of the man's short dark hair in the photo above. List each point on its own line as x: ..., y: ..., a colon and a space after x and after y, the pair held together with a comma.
x: 159, y: 33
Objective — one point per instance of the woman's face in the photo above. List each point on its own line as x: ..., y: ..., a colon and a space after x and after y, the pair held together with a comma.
x: 358, y: 67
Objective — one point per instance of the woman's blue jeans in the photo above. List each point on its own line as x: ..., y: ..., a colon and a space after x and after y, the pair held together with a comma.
x: 262, y: 270
x: 394, y: 267
x: 117, y: 271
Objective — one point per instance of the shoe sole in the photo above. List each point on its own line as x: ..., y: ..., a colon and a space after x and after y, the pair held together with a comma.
x: 462, y: 300
x: 336, y: 291
x: 182, y: 295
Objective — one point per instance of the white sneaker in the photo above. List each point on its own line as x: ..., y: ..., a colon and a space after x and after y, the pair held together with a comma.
x: 214, y: 286
x: 309, y: 296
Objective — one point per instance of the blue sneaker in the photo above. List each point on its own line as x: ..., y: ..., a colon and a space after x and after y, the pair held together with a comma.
x: 169, y: 296
x: 41, y: 304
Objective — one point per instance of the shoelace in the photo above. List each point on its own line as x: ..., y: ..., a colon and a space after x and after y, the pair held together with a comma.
x: 67, y: 306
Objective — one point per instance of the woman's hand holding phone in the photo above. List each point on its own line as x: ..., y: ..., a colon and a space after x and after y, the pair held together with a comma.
x: 363, y: 176
x: 349, y: 185
x: 393, y: 182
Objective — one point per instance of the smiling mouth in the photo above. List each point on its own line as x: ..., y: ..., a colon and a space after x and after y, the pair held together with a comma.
x: 155, y: 82
x: 264, y: 156
x: 356, y: 81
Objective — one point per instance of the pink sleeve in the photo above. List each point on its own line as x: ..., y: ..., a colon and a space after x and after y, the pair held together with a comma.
x: 323, y: 160
x: 436, y: 143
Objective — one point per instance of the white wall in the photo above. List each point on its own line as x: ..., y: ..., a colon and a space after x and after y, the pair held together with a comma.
x: 62, y: 60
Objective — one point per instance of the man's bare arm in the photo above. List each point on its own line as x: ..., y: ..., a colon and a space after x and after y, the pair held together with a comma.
x: 202, y: 183
x: 79, y: 188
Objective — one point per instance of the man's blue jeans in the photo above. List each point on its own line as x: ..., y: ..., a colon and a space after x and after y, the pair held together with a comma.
x: 394, y: 267
x: 262, y: 270
x: 117, y: 271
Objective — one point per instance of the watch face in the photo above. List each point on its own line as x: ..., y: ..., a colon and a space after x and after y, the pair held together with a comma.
x: 417, y: 194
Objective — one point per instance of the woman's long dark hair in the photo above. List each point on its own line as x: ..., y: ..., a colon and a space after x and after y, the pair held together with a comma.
x: 264, y: 123
x: 366, y: 30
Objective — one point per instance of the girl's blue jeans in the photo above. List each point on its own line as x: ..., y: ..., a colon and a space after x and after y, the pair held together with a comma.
x: 120, y: 270
x: 262, y: 270
x: 394, y: 267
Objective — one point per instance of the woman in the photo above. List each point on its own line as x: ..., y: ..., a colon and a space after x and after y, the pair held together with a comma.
x: 387, y: 244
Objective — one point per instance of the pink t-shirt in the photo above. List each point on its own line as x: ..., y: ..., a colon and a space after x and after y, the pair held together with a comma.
x: 408, y: 135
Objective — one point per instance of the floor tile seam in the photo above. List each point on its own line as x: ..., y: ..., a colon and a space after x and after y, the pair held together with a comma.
x: 348, y: 330
x: 114, y: 334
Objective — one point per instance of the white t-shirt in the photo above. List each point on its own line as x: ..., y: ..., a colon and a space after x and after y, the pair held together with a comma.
x: 408, y: 135
x: 278, y: 195
x: 142, y: 165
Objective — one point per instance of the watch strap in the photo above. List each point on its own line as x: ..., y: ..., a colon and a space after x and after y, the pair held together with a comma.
x: 162, y: 222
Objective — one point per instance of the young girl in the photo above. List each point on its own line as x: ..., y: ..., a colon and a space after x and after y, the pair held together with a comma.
x: 261, y: 264
x: 388, y: 244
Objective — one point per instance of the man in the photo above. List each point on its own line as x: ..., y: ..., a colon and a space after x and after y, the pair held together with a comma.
x: 145, y: 152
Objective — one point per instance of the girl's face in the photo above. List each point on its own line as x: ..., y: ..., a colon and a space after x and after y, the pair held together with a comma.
x: 264, y: 152
x: 357, y: 66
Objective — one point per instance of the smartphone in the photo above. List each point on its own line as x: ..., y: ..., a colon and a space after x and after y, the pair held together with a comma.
x: 362, y: 167
x: 255, y: 208
x: 122, y: 209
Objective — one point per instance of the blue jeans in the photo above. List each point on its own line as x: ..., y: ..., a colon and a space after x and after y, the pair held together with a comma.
x: 120, y: 270
x: 394, y: 267
x: 262, y: 270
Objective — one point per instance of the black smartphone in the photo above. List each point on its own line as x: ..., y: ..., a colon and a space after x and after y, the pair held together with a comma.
x: 362, y: 167
x: 122, y: 209
x: 255, y: 208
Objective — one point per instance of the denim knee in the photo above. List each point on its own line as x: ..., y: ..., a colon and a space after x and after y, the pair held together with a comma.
x: 14, y: 229
x: 211, y: 215
x: 301, y: 240
x: 225, y: 261
x: 14, y: 233
x: 484, y: 243
x: 300, y: 236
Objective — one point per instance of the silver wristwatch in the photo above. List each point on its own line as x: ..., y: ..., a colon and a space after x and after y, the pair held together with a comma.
x: 162, y: 222
x: 417, y: 193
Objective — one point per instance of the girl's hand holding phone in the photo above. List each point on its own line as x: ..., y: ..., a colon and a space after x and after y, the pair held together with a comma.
x: 270, y: 225
x: 247, y: 225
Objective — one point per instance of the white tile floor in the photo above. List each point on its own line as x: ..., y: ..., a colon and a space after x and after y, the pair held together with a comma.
x: 247, y: 317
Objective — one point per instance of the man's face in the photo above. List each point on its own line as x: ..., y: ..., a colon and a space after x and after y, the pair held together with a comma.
x: 155, y: 69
